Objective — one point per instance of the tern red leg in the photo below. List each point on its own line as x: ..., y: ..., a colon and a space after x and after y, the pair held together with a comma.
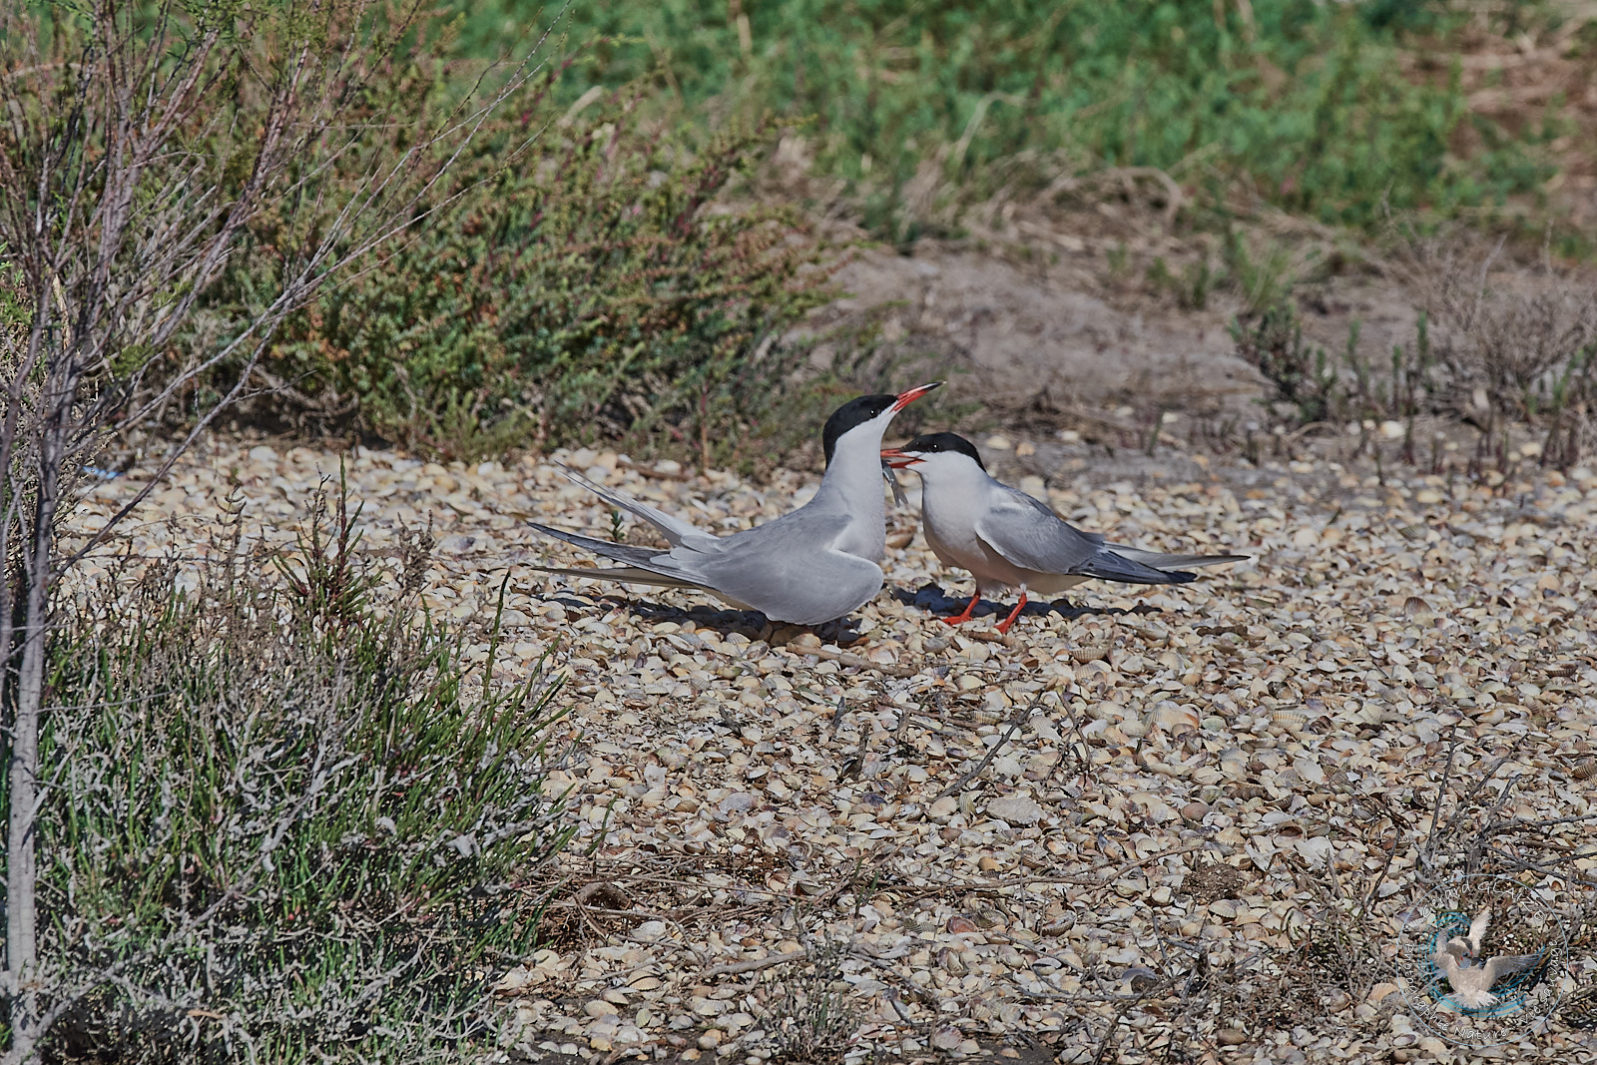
x: 1003, y: 626
x: 964, y: 615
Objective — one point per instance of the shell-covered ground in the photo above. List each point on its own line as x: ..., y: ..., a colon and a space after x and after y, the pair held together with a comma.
x: 1176, y: 824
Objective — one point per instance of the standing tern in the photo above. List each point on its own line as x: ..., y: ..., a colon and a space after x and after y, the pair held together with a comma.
x: 809, y: 566
x: 1008, y: 539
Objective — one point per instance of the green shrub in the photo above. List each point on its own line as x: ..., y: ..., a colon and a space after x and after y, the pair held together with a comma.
x: 587, y: 285
x: 286, y: 824
x: 1302, y: 374
x: 1308, y: 101
x: 14, y: 315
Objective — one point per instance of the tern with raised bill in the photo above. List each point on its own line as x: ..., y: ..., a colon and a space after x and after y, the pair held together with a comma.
x: 812, y: 565
x: 1008, y: 539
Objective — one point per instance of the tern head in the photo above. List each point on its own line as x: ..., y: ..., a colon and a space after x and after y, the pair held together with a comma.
x: 867, y: 416
x: 1459, y: 949
x: 935, y: 455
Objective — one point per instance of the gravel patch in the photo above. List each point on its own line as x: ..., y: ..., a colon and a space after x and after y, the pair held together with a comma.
x: 1163, y: 824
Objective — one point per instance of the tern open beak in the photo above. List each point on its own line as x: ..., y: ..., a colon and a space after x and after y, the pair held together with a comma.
x: 898, y: 460
x: 906, y: 398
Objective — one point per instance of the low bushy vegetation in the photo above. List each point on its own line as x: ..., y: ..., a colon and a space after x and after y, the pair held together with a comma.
x: 589, y: 286
x: 288, y: 822
x: 1497, y: 344
x: 590, y: 269
x: 1338, y: 111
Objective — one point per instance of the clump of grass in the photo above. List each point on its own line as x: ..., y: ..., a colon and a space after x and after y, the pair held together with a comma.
x: 1260, y: 278
x: 1302, y: 374
x: 1328, y: 110
x: 1518, y: 343
x: 814, y: 1019
x: 288, y: 824
x: 1261, y: 274
x: 1191, y: 287
x: 1496, y: 346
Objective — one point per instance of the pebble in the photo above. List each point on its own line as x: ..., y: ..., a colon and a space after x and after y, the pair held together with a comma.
x: 777, y: 792
x: 1017, y: 809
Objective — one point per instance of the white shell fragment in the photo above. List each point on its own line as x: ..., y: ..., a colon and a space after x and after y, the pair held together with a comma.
x: 1173, y: 771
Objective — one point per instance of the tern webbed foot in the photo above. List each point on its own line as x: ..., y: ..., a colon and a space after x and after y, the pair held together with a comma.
x: 964, y: 615
x: 1003, y: 626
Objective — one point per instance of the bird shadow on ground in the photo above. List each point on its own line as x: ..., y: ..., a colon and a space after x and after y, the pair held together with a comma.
x: 931, y: 598
x: 750, y: 623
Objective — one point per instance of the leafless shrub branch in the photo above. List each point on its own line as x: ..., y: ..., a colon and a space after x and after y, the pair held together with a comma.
x: 1513, y: 341
x: 138, y: 146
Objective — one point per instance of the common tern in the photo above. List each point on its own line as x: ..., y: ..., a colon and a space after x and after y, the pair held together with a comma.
x: 1472, y: 980
x: 1008, y: 539
x: 812, y: 565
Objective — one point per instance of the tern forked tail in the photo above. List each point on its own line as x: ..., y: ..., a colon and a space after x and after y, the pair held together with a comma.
x: 637, y: 571
x: 1168, y: 563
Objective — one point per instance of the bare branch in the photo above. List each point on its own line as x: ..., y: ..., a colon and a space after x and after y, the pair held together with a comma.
x: 142, y: 144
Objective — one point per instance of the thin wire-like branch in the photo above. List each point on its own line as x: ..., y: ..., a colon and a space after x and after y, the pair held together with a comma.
x: 142, y: 143
x: 1016, y: 719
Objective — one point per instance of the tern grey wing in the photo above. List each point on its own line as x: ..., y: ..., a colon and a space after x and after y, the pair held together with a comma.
x: 644, y: 565
x: 1161, y: 561
x: 1507, y: 964
x: 1030, y: 535
x: 675, y: 530
x: 1477, y: 929
x: 788, y: 569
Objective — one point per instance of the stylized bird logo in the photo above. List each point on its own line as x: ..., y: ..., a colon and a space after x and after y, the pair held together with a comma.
x: 1472, y: 978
